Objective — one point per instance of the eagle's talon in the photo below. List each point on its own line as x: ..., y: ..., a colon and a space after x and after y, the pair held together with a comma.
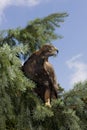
x: 48, y: 104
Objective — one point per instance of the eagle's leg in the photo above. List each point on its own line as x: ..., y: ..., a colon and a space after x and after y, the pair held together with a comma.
x: 47, y: 98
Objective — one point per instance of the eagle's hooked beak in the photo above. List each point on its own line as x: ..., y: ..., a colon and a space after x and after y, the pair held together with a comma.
x: 56, y: 50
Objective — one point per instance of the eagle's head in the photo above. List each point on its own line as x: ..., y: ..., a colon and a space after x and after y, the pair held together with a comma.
x: 48, y: 50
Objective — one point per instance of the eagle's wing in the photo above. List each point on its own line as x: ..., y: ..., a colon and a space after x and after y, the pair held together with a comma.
x: 50, y: 71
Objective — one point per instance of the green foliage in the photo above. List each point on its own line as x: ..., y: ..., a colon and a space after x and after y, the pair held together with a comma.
x: 60, y: 118
x: 20, y: 107
x: 35, y: 34
x: 76, y: 99
x: 12, y: 86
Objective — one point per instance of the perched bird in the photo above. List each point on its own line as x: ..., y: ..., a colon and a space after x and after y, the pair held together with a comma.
x: 38, y: 69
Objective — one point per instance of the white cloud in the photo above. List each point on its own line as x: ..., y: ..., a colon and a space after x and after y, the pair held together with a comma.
x: 25, y: 2
x: 79, y: 69
x: 6, y: 3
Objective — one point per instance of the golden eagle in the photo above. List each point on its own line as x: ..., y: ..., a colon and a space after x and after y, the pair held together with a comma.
x: 38, y: 69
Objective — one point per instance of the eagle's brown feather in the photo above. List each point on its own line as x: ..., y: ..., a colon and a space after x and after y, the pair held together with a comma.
x: 38, y: 69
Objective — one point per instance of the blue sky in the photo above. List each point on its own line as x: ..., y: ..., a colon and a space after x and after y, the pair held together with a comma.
x: 71, y: 63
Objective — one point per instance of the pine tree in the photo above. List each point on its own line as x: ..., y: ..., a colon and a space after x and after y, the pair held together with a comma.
x: 35, y: 34
x: 20, y: 107
x: 76, y: 99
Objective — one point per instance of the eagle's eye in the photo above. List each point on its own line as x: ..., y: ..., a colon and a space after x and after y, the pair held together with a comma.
x: 52, y: 48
